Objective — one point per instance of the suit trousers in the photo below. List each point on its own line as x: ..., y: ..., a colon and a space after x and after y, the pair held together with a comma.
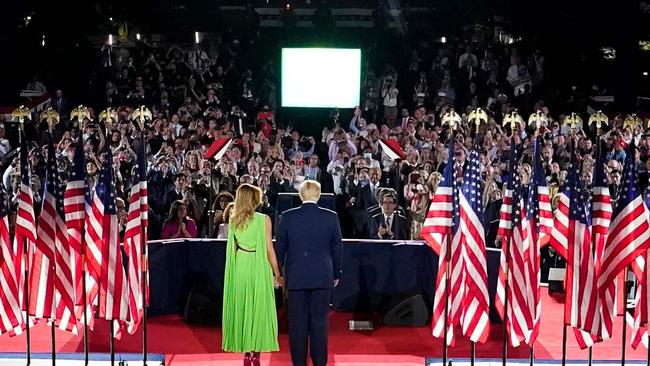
x: 309, y: 322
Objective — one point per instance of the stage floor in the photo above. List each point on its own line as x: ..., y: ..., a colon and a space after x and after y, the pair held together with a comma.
x: 186, y: 345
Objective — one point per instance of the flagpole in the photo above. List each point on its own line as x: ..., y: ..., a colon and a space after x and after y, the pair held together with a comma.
x: 532, y: 355
x: 504, y: 356
x: 472, y: 348
x: 445, y: 348
x: 84, y: 295
x: 111, y: 342
x: 447, y: 259
x: 563, y: 342
x: 53, y: 334
x: 82, y: 113
x: 624, y: 300
x: 145, y: 263
x: 26, y: 285
x: 26, y: 262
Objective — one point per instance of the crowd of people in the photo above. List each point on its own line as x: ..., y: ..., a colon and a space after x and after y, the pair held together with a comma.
x: 201, y: 93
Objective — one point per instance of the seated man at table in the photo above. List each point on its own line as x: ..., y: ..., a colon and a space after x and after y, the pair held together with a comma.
x: 389, y: 224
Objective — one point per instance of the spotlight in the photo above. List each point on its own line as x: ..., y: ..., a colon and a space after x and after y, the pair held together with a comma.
x: 645, y: 73
x: 443, y: 39
x: 137, y: 36
x: 197, y: 37
x: 287, y: 14
x: 43, y: 42
x: 110, y: 39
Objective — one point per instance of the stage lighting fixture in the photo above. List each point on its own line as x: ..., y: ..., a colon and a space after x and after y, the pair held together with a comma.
x: 137, y: 36
x: 443, y: 39
x: 197, y: 37
x: 287, y: 15
x: 645, y: 73
x: 43, y: 42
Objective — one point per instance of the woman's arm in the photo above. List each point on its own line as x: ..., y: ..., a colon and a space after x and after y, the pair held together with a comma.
x: 270, y: 250
x: 190, y: 231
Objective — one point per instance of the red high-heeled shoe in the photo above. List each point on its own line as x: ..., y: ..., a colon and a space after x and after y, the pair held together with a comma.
x: 247, y: 360
x: 256, y: 359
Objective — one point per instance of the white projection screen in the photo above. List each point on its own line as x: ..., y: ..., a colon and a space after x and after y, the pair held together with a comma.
x: 321, y: 77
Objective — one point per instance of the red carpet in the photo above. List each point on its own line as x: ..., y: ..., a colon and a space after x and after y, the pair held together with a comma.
x: 192, y: 345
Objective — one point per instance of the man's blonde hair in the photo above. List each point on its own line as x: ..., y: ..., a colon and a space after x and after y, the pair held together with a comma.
x: 310, y: 191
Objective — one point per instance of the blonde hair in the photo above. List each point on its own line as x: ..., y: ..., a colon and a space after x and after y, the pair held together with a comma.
x: 310, y: 191
x: 247, y: 198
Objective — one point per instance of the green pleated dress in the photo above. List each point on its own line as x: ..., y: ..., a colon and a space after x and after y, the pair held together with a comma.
x: 250, y: 321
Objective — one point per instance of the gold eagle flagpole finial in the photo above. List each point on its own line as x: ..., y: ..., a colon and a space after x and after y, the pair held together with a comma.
x: 21, y: 114
x: 81, y: 113
x: 573, y: 121
x: 141, y: 115
x: 51, y: 117
x: 599, y: 119
x: 539, y: 118
x: 632, y: 121
x: 477, y: 116
x: 451, y: 119
x: 513, y: 119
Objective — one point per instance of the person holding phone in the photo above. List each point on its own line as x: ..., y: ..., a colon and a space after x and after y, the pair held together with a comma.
x: 389, y: 224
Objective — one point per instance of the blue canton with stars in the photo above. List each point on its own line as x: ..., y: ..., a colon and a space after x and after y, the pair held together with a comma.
x: 514, y: 185
x: 105, y: 190
x: 449, y: 181
x: 3, y: 202
x: 52, y: 178
x: 537, y: 179
x: 577, y: 206
x: 24, y: 161
x: 471, y: 187
x: 629, y: 191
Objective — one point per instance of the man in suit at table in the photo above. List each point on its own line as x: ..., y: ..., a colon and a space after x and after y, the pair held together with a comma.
x: 389, y: 224
x: 309, y: 247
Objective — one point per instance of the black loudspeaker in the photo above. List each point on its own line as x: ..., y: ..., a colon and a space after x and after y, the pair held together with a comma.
x: 407, y: 312
x: 203, y: 307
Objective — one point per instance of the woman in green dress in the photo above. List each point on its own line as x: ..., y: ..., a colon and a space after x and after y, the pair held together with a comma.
x: 250, y: 323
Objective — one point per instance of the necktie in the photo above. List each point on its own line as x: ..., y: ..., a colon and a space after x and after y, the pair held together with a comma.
x: 388, y: 223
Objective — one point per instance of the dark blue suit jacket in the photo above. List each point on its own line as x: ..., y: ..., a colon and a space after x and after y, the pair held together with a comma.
x: 309, y: 247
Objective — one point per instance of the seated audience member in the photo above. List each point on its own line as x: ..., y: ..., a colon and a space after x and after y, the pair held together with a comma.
x: 225, y: 218
x: 389, y: 225
x: 178, y: 225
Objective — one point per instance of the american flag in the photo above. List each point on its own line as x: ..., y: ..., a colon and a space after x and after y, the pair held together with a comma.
x: 629, y: 234
x: 539, y: 216
x: 11, y: 316
x: 441, y: 230
x: 572, y: 235
x: 642, y: 307
x: 601, y: 215
x: 64, y: 280
x: 113, y: 288
x: 25, y: 223
x: 476, y: 301
x: 512, y: 228
x: 75, y: 211
x: 133, y: 240
x: 42, y: 290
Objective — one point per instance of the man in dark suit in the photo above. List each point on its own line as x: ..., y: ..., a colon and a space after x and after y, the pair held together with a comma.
x: 389, y: 224
x: 309, y: 247
x: 60, y: 104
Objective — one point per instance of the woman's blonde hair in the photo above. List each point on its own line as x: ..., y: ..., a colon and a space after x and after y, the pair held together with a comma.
x: 247, y: 198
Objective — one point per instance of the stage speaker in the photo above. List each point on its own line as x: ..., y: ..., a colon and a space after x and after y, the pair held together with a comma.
x: 407, y: 312
x: 203, y: 307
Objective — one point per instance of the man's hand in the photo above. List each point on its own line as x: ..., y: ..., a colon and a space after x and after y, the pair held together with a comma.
x: 382, y: 231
